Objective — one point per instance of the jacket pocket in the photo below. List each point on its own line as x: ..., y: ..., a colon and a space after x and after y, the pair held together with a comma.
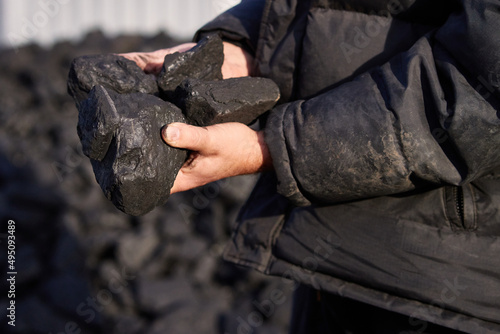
x: 460, y: 207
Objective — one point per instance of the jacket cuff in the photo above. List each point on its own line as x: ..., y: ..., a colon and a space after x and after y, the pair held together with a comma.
x: 276, y: 141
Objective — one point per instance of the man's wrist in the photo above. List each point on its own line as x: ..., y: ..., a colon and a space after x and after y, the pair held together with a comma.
x: 254, y: 157
x: 267, y: 161
x: 237, y: 62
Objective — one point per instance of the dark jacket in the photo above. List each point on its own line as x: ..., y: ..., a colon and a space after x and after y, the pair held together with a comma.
x: 386, y: 148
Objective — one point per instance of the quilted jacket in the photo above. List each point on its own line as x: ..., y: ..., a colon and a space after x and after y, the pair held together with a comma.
x: 386, y: 153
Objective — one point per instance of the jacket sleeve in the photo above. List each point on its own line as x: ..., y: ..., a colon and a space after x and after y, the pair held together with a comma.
x: 428, y: 117
x: 239, y: 25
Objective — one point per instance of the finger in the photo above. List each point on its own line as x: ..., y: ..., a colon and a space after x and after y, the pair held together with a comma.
x: 182, y: 47
x: 185, y: 136
x: 135, y: 57
x: 183, y: 183
x: 153, y: 68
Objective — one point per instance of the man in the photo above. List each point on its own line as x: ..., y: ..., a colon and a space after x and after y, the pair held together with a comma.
x: 380, y: 191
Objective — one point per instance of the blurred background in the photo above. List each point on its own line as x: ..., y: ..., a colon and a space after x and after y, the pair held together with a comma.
x: 83, y: 266
x: 45, y: 22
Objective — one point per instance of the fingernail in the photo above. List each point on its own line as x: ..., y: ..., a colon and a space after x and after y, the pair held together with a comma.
x: 172, y: 134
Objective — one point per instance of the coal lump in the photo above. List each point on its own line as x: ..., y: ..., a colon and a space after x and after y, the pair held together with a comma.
x: 108, y: 70
x: 231, y: 100
x: 203, y: 61
x: 132, y: 164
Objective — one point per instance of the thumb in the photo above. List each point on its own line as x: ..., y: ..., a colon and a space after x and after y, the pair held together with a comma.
x: 186, y: 136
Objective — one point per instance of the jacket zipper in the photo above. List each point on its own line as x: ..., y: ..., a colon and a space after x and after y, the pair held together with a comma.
x: 459, y: 204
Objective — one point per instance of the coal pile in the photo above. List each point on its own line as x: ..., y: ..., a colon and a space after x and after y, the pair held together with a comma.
x: 82, y: 265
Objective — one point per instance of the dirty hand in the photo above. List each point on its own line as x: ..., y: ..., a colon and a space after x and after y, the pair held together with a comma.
x: 217, y: 151
x: 237, y: 62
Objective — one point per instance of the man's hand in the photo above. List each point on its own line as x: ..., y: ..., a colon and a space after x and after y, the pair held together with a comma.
x: 152, y: 62
x: 218, y: 151
x: 237, y: 62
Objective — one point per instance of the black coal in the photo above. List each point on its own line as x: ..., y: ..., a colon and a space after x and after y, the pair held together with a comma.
x: 121, y: 116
